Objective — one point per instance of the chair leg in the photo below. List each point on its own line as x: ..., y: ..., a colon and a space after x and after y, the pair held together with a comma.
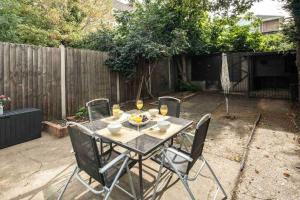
x: 158, y: 177
x: 215, y: 177
x: 188, y: 188
x: 183, y: 179
x: 116, y: 179
x: 131, y: 182
x: 101, y: 146
x: 67, y: 183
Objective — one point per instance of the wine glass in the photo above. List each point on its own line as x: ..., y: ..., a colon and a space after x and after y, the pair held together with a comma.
x: 138, y: 120
x: 116, y: 110
x: 139, y: 104
x: 163, y: 110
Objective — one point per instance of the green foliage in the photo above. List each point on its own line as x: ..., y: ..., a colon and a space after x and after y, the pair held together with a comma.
x: 289, y: 30
x: 142, y: 36
x: 185, y: 86
x: 160, y: 28
x: 82, y: 112
x: 9, y: 20
x: 49, y: 22
x: 227, y: 34
x: 292, y: 29
x: 275, y: 42
x: 155, y: 29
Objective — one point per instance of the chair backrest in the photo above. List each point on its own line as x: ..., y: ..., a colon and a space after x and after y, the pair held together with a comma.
x: 86, y: 151
x: 199, y: 139
x: 98, y: 109
x: 172, y: 103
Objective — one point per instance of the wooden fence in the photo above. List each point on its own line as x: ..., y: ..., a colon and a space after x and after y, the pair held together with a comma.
x: 32, y: 77
x: 87, y: 78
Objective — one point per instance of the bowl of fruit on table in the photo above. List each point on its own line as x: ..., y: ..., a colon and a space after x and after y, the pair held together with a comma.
x: 138, y: 119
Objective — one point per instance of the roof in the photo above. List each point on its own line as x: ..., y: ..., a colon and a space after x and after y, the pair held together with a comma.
x: 269, y: 17
x: 122, y: 6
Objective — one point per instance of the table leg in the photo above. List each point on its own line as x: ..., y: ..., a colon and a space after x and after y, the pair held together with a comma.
x: 172, y: 142
x: 141, y: 177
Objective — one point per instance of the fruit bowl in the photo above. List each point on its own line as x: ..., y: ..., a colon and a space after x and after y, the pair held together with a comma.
x: 145, y: 120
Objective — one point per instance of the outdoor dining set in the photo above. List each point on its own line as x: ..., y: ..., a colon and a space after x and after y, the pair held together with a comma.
x: 113, y: 141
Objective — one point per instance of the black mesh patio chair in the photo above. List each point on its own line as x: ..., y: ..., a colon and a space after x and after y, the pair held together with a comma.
x: 105, y: 168
x: 172, y: 103
x: 98, y: 109
x: 181, y: 162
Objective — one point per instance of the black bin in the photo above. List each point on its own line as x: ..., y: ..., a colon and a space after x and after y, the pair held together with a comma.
x: 19, y: 126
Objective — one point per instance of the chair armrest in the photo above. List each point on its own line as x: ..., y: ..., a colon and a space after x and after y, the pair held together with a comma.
x: 182, y: 155
x: 112, y: 163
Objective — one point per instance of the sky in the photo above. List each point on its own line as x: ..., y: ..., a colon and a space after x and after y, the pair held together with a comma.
x: 269, y: 7
x: 265, y: 7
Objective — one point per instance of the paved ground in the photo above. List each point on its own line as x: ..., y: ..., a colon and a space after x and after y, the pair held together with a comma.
x: 37, y: 169
x: 273, y: 165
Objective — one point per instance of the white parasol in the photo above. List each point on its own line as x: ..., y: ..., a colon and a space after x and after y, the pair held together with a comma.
x: 225, y: 80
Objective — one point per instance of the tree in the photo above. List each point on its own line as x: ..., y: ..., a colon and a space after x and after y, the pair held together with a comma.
x: 275, y: 42
x: 9, y: 19
x: 292, y: 30
x: 174, y: 28
x: 51, y: 22
x: 227, y: 34
x: 294, y: 7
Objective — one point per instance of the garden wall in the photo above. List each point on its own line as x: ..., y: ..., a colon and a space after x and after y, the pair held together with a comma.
x: 256, y: 74
x: 35, y: 76
x: 206, y: 69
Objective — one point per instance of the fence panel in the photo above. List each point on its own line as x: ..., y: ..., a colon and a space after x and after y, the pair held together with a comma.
x: 160, y: 78
x: 30, y: 75
x: 86, y: 78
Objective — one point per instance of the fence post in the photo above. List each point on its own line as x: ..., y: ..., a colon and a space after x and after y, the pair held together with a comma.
x: 63, y: 80
x: 118, y: 87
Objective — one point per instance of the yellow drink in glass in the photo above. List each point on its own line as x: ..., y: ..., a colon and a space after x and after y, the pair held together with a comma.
x: 163, y: 110
x: 139, y: 104
x: 116, y: 110
x: 138, y: 119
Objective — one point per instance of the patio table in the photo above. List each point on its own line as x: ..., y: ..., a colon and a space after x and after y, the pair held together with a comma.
x: 143, y: 142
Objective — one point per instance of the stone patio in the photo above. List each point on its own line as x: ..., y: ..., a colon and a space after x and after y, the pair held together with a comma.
x: 38, y: 169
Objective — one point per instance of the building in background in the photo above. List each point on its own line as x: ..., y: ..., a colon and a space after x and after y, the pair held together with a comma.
x: 270, y: 23
x: 118, y: 5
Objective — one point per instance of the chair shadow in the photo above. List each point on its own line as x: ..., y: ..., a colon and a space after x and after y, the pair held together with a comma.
x: 52, y: 188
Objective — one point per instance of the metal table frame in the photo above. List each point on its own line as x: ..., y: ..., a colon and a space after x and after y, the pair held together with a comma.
x: 142, y: 145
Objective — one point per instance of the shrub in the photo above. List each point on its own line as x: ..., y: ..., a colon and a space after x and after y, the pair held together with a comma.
x: 82, y: 112
x: 185, y: 86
